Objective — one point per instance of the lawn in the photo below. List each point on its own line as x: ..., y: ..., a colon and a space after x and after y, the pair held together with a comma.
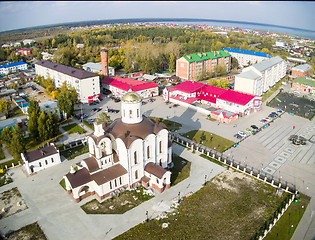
x: 28, y: 232
x: 180, y: 171
x: 69, y: 120
x: 119, y: 204
x: 210, y: 140
x: 73, y: 128
x: 9, y: 163
x: 171, y: 125
x: 283, y: 229
x: 63, y: 184
x: 14, y: 111
x: 88, y: 125
x: 230, y: 206
x: 33, y: 144
x: 74, y: 152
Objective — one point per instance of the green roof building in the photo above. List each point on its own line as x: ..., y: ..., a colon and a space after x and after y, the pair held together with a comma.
x: 304, y: 84
x: 191, y: 66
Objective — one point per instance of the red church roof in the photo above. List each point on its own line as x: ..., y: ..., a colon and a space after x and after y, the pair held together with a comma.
x: 127, y: 83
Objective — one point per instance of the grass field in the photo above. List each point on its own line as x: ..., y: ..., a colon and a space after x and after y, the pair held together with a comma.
x: 88, y: 125
x: 74, y: 152
x: 1, y: 152
x: 28, y: 232
x: 283, y: 229
x: 180, y: 171
x: 73, y: 128
x: 230, y: 206
x: 171, y: 125
x: 117, y: 205
x: 210, y: 140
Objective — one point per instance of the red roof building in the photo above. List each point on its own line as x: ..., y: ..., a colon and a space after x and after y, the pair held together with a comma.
x: 120, y: 86
x: 23, y: 51
x: 228, y: 101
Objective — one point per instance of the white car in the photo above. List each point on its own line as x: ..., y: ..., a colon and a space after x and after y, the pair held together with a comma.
x: 267, y: 119
x: 242, y: 133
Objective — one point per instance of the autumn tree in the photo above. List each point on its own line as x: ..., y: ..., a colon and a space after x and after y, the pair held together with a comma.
x: 4, y: 107
x: 17, y: 144
x: 172, y: 64
x: 66, y: 99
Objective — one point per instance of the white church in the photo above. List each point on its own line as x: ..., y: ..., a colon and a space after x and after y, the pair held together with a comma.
x: 131, y: 151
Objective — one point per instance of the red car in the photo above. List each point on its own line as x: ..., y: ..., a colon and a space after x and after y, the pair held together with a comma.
x: 40, y: 92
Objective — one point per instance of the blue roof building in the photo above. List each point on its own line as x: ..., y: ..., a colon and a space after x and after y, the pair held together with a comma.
x: 247, y: 57
x: 13, y: 67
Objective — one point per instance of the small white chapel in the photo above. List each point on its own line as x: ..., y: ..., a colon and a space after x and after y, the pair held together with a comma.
x: 133, y: 150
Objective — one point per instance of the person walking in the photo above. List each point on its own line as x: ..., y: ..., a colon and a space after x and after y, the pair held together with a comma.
x: 293, y: 127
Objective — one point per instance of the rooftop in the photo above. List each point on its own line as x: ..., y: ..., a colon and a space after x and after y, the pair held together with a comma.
x: 235, y: 50
x: 39, y: 153
x: 249, y: 74
x: 305, y: 81
x: 73, y: 72
x: 263, y: 65
x: 12, y: 64
x: 188, y: 87
x: 197, y: 57
x: 302, y: 68
x: 237, y: 97
x: 127, y: 83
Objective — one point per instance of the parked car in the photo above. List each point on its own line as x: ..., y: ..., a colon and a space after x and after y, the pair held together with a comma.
x: 279, y: 111
x: 267, y: 119
x: 254, y: 127
x: 40, y: 92
x: 175, y: 105
x: 92, y: 103
x: 117, y: 100
x: 263, y: 120
x: 238, y: 136
x: 247, y: 130
x: 272, y: 115
x: 242, y: 133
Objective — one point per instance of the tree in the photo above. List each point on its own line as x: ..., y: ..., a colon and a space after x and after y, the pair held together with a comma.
x: 103, y: 117
x: 13, y: 85
x: 32, y: 125
x: 4, y: 107
x: 43, y: 133
x: 6, y: 136
x: 172, y: 63
x: 234, y: 63
x: 17, y: 144
x: 223, y: 83
x: 49, y: 125
x: 56, y: 123
x: 66, y: 99
x: 265, y: 50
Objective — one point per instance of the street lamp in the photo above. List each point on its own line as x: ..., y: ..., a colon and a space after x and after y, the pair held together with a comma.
x: 205, y: 179
x: 178, y: 197
x: 147, y: 213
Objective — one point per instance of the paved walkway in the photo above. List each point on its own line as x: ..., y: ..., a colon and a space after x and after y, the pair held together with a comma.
x: 6, y: 153
x: 61, y: 218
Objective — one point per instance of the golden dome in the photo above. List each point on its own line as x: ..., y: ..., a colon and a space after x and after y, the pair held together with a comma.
x: 131, y: 97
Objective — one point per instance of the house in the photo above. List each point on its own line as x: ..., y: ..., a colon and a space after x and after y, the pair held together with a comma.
x: 41, y: 158
x: 50, y: 105
x: 97, y: 68
x: 148, y: 77
x: 191, y: 66
x: 86, y: 84
x: 304, y: 84
x: 23, y: 51
x: 260, y: 77
x: 28, y: 41
x: 301, y: 70
x: 47, y: 56
x: 13, y: 67
x: 131, y: 151
x: 280, y: 44
x: 222, y: 104
x: 120, y: 86
x: 10, y: 123
x: 246, y: 57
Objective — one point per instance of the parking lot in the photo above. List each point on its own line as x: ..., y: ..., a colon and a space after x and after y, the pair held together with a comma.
x: 294, y: 104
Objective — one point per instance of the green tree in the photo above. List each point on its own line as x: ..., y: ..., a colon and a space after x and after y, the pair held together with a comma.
x: 6, y: 136
x: 50, y: 125
x: 4, y: 107
x: 172, y: 63
x: 234, y: 63
x: 56, y: 123
x: 66, y: 99
x: 17, y: 144
x: 43, y: 133
x: 32, y: 125
x: 103, y: 117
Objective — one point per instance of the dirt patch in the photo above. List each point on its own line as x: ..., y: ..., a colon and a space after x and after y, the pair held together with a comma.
x: 29, y: 232
x: 11, y: 202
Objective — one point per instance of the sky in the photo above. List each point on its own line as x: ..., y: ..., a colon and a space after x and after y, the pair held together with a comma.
x: 23, y: 14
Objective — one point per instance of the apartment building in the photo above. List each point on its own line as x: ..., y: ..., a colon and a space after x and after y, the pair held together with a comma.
x: 260, y: 77
x: 301, y: 70
x: 191, y: 66
x: 86, y: 84
x: 13, y: 67
x: 246, y: 57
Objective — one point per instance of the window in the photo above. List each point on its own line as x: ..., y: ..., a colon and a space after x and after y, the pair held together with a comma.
x: 135, y: 157
x: 160, y: 146
x: 52, y: 160
x: 40, y: 164
x: 46, y: 162
x: 157, y: 181
x: 120, y: 182
x: 115, y: 183
x: 136, y: 174
x: 138, y: 113
x: 161, y: 162
x: 130, y: 113
x: 110, y: 185
x: 148, y: 151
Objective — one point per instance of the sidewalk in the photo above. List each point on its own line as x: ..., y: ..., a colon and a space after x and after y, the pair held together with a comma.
x: 7, y: 155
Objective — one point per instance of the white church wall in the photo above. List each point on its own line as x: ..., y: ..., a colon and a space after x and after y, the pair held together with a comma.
x: 149, y: 144
x: 161, y: 154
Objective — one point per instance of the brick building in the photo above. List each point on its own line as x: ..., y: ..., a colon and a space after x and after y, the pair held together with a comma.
x: 301, y: 70
x: 191, y: 66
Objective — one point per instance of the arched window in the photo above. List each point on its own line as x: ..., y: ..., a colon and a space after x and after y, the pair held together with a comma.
x: 160, y: 146
x: 138, y: 113
x: 148, y: 151
x: 161, y: 162
x: 136, y: 174
x: 135, y: 157
x: 130, y: 113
